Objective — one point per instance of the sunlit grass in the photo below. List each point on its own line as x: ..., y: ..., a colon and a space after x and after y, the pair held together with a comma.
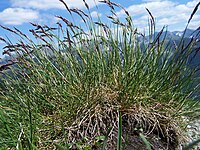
x: 68, y: 87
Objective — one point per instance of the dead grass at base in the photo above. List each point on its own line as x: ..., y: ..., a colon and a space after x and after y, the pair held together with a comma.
x: 161, y: 129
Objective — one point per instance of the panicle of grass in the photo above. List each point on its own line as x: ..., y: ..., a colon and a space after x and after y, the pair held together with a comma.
x: 66, y: 6
x: 86, y: 5
x: 194, y: 11
x: 6, y: 66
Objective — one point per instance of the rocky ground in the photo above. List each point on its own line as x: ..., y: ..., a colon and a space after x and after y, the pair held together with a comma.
x: 193, y: 132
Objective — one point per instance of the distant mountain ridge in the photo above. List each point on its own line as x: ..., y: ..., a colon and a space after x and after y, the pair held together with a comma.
x: 189, y: 33
x: 176, y: 35
x: 173, y: 37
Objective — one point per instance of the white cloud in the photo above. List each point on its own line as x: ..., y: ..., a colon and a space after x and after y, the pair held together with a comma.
x: 18, y: 16
x: 192, y: 3
x: 151, y: 0
x: 50, y: 4
x: 95, y: 14
x: 166, y: 13
x: 157, y: 8
x: 195, y: 23
x: 30, y: 10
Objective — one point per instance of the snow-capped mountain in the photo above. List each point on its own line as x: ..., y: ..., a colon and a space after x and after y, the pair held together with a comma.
x: 176, y: 35
x: 188, y: 34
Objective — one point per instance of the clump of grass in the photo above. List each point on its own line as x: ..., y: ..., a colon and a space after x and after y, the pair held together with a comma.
x: 70, y: 85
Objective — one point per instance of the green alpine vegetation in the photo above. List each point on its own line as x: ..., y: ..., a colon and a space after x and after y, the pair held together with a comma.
x: 103, y: 85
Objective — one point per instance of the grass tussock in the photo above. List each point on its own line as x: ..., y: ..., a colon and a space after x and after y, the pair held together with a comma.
x: 67, y: 89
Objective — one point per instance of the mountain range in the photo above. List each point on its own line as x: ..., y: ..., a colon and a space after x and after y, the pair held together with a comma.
x: 171, y: 37
x: 175, y: 37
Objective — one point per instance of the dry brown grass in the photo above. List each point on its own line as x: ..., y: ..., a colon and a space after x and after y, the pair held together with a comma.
x: 160, y: 128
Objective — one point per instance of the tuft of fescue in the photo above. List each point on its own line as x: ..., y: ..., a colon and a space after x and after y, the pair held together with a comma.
x: 67, y: 88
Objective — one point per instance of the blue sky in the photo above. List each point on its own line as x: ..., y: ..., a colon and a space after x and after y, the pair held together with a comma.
x: 173, y: 13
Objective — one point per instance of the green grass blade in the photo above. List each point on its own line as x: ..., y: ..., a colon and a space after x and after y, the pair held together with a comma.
x: 59, y: 147
x: 145, y: 141
x: 106, y: 138
x: 119, y: 137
